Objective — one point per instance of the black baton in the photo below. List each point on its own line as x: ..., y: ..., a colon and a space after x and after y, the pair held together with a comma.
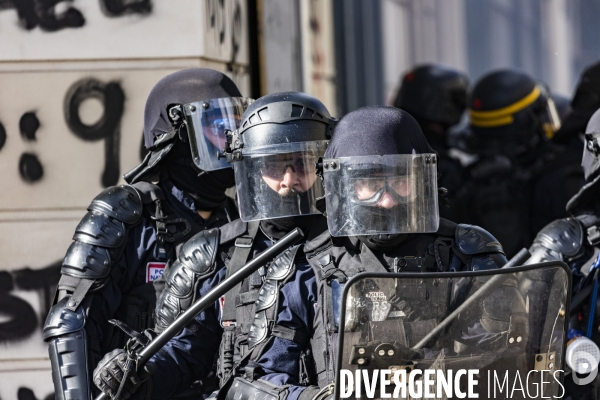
x: 213, y: 295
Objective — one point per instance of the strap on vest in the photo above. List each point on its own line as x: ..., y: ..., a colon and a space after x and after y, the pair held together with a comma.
x: 292, y: 335
x: 243, y: 247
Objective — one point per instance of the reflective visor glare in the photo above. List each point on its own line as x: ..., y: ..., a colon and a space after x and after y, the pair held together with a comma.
x: 208, y: 122
x: 279, y: 181
x: 381, y: 194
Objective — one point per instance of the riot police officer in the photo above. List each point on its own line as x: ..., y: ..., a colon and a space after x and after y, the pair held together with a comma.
x: 576, y: 241
x: 274, y: 152
x: 380, y: 179
x: 130, y: 231
x: 522, y: 180
x: 436, y: 96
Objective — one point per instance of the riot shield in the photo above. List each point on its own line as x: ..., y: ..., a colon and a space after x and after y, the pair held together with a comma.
x: 496, y: 334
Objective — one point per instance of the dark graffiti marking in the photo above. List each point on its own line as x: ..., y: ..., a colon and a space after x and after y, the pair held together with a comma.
x: 2, y: 136
x: 30, y: 168
x: 216, y: 18
x: 42, y: 13
x: 27, y: 394
x: 236, y: 31
x: 34, y: 13
x: 217, y: 15
x: 28, y: 125
x: 117, y: 8
x: 108, y: 127
x: 20, y: 319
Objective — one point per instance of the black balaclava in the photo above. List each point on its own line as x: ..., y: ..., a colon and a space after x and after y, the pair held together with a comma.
x: 182, y: 87
x: 378, y: 130
x: 206, y: 188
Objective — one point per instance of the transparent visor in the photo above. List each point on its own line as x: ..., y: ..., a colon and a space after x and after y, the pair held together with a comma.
x: 279, y: 180
x: 426, y: 329
x: 550, y: 119
x: 381, y: 194
x: 207, y: 122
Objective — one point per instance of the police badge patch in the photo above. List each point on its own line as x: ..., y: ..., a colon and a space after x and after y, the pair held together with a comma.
x: 154, y: 270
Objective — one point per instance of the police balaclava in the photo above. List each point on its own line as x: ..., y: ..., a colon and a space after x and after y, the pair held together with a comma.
x: 377, y: 130
x: 182, y: 87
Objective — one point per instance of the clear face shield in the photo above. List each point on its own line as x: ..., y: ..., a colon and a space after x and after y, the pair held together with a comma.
x: 388, y: 194
x: 428, y: 327
x: 207, y: 121
x: 279, y: 180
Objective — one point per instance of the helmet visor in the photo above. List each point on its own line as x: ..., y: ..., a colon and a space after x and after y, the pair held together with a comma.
x: 207, y: 122
x: 381, y: 194
x: 279, y: 180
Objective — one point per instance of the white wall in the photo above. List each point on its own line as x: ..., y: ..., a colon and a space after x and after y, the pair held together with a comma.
x: 108, y: 55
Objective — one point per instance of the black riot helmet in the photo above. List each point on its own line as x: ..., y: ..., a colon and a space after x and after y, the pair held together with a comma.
x: 165, y: 123
x: 274, y: 152
x: 509, y: 110
x: 434, y: 93
x: 591, y: 150
x: 380, y: 176
x: 186, y: 116
x: 584, y: 103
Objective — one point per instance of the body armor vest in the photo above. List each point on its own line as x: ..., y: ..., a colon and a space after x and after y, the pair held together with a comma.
x: 335, y: 260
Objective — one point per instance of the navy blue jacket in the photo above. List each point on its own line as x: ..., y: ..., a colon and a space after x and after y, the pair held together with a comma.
x: 132, y: 272
x: 189, y: 356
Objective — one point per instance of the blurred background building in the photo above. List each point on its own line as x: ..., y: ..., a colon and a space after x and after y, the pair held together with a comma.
x: 75, y: 74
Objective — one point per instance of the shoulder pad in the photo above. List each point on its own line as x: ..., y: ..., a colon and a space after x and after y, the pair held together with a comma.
x: 282, y: 266
x: 232, y: 230
x: 472, y: 239
x: 86, y: 261
x: 564, y: 236
x: 199, y: 253
x: 99, y: 229
x: 122, y: 203
x: 279, y: 270
x: 61, y: 320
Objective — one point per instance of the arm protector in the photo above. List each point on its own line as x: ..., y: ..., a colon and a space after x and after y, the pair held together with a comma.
x: 98, y: 242
x: 196, y: 261
x: 560, y: 240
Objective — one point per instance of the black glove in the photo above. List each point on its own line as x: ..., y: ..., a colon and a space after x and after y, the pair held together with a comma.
x: 111, y: 370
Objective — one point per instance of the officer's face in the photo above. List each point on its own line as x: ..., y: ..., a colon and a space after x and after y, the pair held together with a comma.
x: 368, y: 188
x: 288, y: 174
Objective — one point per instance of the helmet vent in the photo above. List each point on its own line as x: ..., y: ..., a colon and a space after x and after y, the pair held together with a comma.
x: 296, y: 110
x: 264, y: 114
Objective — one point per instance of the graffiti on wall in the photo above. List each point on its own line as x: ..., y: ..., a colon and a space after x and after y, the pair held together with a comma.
x: 43, y: 13
x: 20, y: 318
x: 107, y: 128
